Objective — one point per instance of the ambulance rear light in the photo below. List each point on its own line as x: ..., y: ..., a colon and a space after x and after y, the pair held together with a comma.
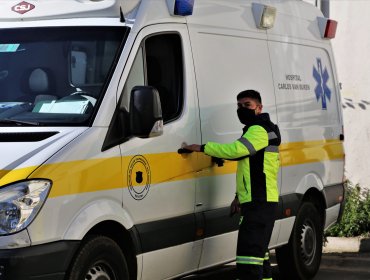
x: 180, y: 7
x: 264, y: 15
x: 327, y: 27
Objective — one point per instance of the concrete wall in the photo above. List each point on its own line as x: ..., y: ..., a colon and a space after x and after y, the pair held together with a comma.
x: 352, y: 52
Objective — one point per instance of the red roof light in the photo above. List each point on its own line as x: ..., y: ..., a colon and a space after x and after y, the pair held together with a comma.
x: 328, y: 27
x: 331, y: 28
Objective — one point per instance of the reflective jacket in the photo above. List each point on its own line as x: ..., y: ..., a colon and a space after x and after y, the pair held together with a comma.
x: 258, y: 160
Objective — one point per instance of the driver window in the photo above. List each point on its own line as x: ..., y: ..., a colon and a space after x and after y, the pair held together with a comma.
x: 135, y: 78
x: 159, y: 63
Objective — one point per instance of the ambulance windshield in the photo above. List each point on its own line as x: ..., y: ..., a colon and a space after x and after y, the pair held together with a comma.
x: 57, y: 75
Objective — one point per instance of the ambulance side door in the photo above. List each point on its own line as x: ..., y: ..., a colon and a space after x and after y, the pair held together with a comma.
x: 225, y: 65
x: 159, y: 183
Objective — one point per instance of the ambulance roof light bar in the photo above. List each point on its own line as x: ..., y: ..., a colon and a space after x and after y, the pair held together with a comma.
x: 180, y: 7
x: 327, y: 27
x: 264, y: 15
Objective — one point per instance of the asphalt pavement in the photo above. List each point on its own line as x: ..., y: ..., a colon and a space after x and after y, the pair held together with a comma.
x: 343, y: 258
x: 334, y: 266
x: 348, y: 266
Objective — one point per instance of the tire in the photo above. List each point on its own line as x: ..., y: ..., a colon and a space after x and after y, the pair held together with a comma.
x: 301, y: 257
x: 99, y: 257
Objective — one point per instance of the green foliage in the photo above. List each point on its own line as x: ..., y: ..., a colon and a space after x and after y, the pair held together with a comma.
x: 356, y: 216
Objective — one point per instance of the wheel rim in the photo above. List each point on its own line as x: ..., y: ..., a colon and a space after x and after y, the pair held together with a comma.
x: 308, y: 243
x: 100, y: 271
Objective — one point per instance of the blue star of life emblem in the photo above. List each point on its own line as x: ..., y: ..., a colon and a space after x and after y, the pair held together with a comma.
x: 321, y: 90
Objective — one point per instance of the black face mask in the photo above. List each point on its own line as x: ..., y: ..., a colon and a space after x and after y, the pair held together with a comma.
x: 246, y: 115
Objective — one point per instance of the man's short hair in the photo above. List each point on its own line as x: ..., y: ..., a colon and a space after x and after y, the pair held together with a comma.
x: 250, y: 93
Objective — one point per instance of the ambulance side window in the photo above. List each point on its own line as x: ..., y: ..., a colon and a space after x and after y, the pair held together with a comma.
x: 164, y: 71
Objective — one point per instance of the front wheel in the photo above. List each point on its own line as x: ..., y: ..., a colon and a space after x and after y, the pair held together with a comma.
x: 99, y: 258
x: 301, y: 257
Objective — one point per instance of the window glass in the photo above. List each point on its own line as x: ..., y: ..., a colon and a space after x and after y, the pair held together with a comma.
x: 158, y: 63
x: 165, y: 72
x: 135, y: 78
x: 57, y: 75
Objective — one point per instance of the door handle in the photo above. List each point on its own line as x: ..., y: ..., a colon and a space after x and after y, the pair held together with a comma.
x: 184, y: 151
x: 219, y: 161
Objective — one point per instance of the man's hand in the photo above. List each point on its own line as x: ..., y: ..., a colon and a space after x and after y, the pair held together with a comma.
x: 234, y: 207
x: 192, y: 147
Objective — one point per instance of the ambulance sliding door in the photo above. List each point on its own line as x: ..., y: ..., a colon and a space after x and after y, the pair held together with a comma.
x: 225, y: 65
x: 159, y: 192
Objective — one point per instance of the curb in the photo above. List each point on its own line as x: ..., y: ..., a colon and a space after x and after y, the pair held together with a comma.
x: 347, y: 245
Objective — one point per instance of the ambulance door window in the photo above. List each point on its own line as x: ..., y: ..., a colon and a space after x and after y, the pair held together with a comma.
x: 158, y: 63
x: 164, y: 69
x: 120, y: 131
x: 136, y: 77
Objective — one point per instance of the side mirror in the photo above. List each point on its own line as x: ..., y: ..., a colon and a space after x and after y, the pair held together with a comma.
x: 145, y: 112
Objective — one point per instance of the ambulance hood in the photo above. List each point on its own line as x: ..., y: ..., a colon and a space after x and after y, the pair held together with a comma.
x: 24, y: 149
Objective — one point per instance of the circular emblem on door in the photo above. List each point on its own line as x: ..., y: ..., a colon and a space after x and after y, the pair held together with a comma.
x: 138, y: 177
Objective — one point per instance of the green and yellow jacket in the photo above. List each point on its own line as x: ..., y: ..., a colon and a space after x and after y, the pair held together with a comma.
x: 258, y: 160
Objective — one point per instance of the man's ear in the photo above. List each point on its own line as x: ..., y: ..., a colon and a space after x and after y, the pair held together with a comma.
x: 259, y: 109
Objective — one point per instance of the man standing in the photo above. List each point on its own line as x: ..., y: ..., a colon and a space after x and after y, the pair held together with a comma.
x: 256, y: 183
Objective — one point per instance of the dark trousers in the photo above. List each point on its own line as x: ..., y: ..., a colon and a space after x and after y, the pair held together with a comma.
x: 255, y: 229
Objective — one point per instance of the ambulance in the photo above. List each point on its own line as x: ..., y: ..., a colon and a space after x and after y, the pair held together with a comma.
x: 97, y: 98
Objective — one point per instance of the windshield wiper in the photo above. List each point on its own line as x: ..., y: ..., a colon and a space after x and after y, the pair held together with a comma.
x: 18, y: 122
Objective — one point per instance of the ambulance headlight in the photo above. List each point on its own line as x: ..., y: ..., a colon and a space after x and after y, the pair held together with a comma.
x: 20, y: 203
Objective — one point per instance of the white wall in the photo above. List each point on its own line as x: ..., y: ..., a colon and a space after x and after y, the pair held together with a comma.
x: 352, y: 53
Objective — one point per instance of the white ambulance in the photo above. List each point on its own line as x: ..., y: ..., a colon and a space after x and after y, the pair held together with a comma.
x: 97, y: 97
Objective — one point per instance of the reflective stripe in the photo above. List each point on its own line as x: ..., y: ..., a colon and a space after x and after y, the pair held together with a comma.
x: 249, y: 260
x: 272, y: 135
x: 267, y: 256
x: 266, y: 278
x: 248, y: 145
x: 272, y: 149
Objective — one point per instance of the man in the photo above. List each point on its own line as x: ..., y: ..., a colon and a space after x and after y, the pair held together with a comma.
x: 256, y: 183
